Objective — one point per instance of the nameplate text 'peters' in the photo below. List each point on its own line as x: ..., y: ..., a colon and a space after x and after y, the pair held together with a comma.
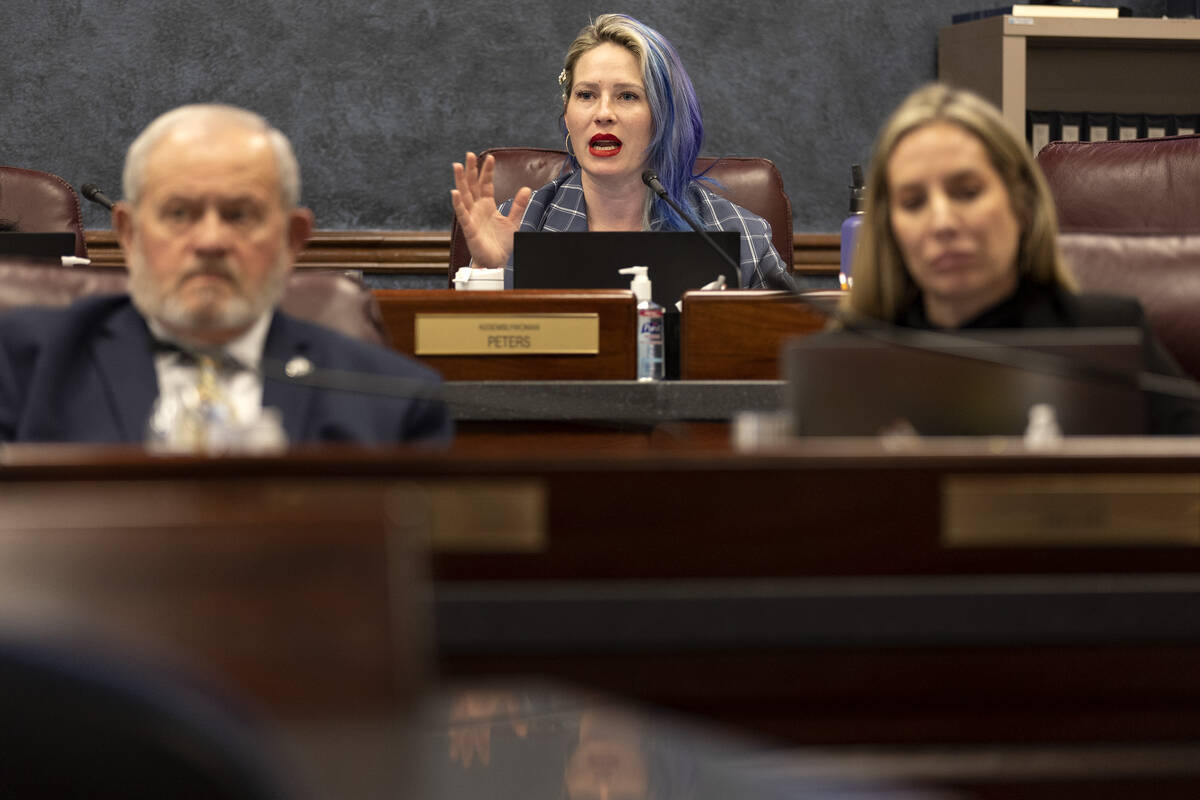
x: 507, y: 334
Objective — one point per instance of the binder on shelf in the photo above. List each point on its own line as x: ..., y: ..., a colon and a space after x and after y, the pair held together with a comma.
x: 1070, y: 126
x: 1041, y: 129
x: 1099, y: 127
x: 1129, y: 126
x: 1157, y: 126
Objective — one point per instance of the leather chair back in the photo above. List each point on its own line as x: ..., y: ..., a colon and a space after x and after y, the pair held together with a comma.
x: 1162, y: 272
x: 1130, y: 216
x: 1149, y: 186
x: 752, y: 183
x: 329, y: 298
x: 39, y: 202
x: 337, y: 301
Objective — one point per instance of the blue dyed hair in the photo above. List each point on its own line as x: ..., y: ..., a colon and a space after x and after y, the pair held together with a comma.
x: 674, y: 109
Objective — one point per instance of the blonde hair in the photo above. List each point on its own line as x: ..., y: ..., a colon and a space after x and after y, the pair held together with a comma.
x: 883, y: 286
x: 616, y: 28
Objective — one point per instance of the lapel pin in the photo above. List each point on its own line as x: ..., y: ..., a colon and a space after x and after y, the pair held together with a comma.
x: 298, y: 367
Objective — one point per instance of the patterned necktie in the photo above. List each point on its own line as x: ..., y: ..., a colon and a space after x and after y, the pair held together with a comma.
x: 204, y: 416
x: 207, y: 387
x: 215, y: 407
x: 195, y: 412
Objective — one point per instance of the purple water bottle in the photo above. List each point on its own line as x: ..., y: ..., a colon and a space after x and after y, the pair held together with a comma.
x: 851, y: 225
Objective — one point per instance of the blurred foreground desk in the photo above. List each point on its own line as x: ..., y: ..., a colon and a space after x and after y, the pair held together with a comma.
x: 298, y: 601
x: 603, y: 415
x: 830, y: 592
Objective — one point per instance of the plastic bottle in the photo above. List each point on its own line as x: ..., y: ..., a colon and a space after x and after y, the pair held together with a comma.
x: 1043, y: 432
x: 851, y: 225
x: 649, y: 326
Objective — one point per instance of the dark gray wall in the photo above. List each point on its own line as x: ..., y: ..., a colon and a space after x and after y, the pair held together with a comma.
x: 380, y: 97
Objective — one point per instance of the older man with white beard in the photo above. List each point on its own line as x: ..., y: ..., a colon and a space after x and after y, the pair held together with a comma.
x: 211, y: 227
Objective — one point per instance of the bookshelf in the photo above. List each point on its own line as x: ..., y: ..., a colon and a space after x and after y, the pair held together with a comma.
x: 1127, y: 65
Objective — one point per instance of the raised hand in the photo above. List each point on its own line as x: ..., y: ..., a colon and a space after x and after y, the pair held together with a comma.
x: 489, y: 233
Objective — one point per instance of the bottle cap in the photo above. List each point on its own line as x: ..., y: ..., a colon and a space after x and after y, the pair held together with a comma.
x: 857, y: 190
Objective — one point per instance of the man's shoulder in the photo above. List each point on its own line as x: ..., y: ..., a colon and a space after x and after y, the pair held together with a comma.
x: 339, y: 351
x: 83, y: 314
x: 404, y: 406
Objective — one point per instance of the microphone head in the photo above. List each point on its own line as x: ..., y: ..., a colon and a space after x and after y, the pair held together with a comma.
x: 649, y: 177
x: 94, y: 193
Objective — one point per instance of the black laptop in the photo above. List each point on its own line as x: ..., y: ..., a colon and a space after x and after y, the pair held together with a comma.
x: 48, y: 246
x: 849, y: 384
x: 679, y: 261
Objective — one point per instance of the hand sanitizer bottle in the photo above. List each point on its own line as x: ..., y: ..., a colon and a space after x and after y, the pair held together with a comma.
x: 649, y: 326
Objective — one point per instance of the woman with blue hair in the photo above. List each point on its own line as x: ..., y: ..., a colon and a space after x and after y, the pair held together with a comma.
x: 628, y: 106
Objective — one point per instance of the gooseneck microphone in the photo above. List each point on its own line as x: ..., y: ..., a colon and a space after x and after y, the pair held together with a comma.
x: 94, y: 193
x: 650, y: 178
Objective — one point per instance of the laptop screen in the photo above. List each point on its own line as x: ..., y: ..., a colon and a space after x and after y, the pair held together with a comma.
x: 850, y: 384
x: 37, y: 245
x: 679, y: 261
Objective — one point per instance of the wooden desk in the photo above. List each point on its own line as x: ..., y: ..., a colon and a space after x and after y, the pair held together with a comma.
x: 730, y: 343
x: 730, y: 335
x: 615, y: 312
x: 809, y: 593
x: 738, y: 335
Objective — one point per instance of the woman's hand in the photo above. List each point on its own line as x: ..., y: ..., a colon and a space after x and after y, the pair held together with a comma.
x: 489, y: 233
x: 473, y: 715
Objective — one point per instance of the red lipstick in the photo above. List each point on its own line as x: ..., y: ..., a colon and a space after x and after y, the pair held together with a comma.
x: 604, y: 145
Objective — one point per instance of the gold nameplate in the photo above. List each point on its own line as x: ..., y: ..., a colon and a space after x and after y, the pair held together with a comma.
x: 1070, y: 510
x: 507, y: 334
x: 498, y: 516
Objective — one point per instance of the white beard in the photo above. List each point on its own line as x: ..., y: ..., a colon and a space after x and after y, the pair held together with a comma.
x: 234, y: 313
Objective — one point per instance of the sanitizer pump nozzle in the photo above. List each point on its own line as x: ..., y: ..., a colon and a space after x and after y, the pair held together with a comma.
x: 640, y: 284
